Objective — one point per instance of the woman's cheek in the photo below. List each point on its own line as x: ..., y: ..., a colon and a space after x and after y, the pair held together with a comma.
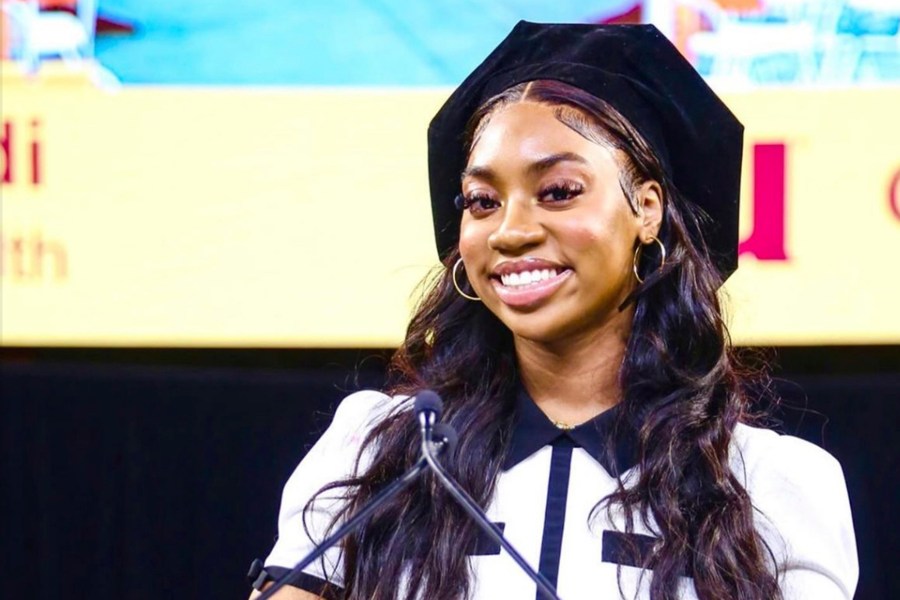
x: 581, y: 239
x: 471, y: 242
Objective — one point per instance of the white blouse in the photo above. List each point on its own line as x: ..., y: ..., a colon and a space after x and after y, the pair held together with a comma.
x: 548, y: 488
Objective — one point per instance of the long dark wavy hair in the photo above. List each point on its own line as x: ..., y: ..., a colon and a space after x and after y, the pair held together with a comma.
x: 682, y: 390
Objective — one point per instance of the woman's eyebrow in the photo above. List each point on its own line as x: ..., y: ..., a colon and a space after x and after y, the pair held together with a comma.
x: 539, y: 166
x: 485, y: 173
x: 535, y: 168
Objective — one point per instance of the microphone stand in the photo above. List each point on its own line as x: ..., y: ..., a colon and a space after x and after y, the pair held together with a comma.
x: 428, y: 409
x: 471, y: 507
x: 352, y: 524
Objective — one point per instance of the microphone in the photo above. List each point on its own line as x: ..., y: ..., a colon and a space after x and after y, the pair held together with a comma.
x: 441, y: 439
x: 428, y: 408
x: 445, y: 435
x: 471, y: 507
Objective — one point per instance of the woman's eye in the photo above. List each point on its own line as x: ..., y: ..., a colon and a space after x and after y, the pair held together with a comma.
x: 479, y: 203
x: 561, y: 192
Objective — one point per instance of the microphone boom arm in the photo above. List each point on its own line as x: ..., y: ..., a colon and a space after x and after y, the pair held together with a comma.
x: 481, y: 519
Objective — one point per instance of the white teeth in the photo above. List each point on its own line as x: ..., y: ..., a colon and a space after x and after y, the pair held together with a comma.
x: 527, y: 277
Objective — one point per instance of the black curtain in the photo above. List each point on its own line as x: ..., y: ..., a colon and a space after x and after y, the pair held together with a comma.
x: 157, y: 475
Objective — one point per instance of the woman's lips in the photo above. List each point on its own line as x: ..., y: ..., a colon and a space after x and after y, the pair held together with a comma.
x: 530, y: 294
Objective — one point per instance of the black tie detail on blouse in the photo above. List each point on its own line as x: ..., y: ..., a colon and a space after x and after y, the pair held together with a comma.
x: 555, y: 511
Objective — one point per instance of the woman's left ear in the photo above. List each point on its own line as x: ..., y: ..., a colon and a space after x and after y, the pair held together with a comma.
x: 650, y: 210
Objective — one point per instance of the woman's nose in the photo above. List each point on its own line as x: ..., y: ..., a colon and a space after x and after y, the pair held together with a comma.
x: 518, y: 229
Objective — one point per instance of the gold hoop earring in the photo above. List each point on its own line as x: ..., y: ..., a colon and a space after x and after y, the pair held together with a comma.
x: 637, y: 257
x: 456, y: 285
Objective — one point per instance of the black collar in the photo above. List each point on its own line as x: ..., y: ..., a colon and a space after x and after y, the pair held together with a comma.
x: 532, y: 430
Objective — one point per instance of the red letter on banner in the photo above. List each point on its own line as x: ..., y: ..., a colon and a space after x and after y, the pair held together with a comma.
x: 767, y: 236
x: 35, y: 152
x: 6, y: 146
x: 894, y: 195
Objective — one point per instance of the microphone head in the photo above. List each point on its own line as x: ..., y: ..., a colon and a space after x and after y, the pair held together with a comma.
x: 427, y: 400
x: 447, y: 433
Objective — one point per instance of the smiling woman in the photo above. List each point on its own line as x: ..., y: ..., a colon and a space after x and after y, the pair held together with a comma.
x: 584, y: 188
x: 541, y: 197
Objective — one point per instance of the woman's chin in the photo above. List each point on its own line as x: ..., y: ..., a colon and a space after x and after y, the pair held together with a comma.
x: 539, y: 329
x: 553, y: 325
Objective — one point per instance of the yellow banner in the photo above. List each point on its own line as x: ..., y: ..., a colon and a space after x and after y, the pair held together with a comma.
x: 300, y: 217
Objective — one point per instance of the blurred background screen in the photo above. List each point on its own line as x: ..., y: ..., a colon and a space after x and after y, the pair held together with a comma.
x: 253, y: 174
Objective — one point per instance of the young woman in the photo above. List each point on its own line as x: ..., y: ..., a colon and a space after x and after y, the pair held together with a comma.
x: 584, y: 183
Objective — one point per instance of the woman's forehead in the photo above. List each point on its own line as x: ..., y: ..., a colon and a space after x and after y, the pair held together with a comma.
x: 530, y: 132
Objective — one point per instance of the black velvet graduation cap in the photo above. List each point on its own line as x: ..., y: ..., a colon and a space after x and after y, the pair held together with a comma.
x: 638, y: 71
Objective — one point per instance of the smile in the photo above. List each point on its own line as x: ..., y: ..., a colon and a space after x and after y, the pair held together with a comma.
x: 527, y: 277
x: 526, y: 284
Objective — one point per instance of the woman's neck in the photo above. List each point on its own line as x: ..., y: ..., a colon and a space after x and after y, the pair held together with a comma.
x: 574, y: 381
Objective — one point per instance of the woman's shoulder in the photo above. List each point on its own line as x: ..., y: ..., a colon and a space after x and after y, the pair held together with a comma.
x: 802, y: 511
x: 367, y: 402
x: 334, y: 457
x: 338, y: 448
x: 758, y: 451
x: 362, y: 410
x: 773, y: 464
x: 336, y: 453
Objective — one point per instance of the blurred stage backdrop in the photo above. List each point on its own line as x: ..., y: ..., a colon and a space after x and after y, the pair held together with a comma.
x: 215, y: 216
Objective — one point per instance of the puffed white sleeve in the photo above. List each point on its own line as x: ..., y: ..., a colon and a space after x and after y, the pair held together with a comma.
x: 803, y: 513
x: 332, y: 458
